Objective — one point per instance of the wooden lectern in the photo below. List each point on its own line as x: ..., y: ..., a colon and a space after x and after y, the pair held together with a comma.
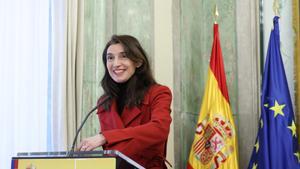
x: 106, y: 159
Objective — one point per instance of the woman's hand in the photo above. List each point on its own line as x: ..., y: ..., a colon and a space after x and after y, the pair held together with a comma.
x: 91, y: 143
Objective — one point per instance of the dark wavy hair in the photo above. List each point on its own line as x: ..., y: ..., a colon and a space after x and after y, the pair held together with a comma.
x: 140, y: 81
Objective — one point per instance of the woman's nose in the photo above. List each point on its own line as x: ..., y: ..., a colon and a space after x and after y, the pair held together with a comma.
x: 117, y: 62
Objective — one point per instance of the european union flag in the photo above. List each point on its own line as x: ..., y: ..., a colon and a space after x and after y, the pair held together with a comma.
x: 276, y: 143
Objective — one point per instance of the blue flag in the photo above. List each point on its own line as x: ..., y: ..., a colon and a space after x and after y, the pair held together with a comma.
x: 276, y: 145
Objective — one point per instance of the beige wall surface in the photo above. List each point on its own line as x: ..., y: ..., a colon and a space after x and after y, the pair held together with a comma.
x: 163, y: 56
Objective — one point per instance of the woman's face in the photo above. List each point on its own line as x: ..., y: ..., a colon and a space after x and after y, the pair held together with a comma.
x: 119, y: 66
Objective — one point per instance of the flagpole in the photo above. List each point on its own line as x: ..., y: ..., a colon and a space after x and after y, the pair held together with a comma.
x: 276, y: 7
x: 216, y: 14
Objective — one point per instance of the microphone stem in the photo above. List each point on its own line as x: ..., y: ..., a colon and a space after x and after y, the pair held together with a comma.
x: 71, y: 152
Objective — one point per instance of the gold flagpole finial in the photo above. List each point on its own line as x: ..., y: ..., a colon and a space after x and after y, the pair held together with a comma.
x: 276, y: 7
x: 216, y: 13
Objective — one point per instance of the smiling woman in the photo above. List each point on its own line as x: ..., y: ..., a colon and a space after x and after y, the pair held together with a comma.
x: 136, y: 119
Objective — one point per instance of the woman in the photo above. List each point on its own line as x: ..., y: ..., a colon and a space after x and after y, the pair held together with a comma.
x: 136, y: 118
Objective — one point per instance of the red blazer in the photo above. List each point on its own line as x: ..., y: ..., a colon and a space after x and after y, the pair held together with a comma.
x: 141, y: 132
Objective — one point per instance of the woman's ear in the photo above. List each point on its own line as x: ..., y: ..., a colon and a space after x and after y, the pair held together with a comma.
x: 138, y: 64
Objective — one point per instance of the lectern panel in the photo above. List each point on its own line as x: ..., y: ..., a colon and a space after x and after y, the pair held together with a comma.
x: 99, y: 163
x: 45, y: 163
x: 76, y: 163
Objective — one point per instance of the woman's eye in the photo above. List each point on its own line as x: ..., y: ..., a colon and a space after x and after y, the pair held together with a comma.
x: 124, y: 55
x: 109, y: 57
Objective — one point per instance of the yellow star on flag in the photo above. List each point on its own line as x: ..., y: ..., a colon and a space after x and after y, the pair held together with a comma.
x: 277, y: 109
x: 254, y: 166
x: 256, y: 146
x: 266, y: 105
x: 298, y: 156
x: 293, y: 128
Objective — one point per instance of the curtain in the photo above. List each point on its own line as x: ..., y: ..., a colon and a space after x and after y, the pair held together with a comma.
x: 24, y: 68
x: 73, y: 68
x: 66, y: 77
x: 57, y: 139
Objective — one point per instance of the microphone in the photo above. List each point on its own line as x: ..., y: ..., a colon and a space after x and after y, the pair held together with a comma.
x: 100, y: 103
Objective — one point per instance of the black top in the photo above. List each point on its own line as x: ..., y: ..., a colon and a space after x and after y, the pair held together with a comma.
x: 121, y: 97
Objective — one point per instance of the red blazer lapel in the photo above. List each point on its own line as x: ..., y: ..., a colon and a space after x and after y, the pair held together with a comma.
x: 128, y: 115
x: 110, y: 120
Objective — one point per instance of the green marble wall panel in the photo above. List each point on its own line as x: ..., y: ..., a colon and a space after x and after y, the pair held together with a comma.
x: 196, y: 32
x: 94, y: 41
x: 135, y: 17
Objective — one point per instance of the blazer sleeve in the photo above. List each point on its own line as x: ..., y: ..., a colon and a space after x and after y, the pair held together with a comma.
x: 136, y: 139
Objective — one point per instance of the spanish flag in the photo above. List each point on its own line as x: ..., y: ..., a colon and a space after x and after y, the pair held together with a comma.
x: 215, y: 143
